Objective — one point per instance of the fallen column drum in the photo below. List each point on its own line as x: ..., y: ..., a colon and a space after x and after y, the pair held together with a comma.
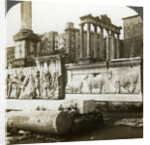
x: 51, y: 122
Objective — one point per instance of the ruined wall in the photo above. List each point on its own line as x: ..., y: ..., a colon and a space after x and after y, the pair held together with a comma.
x: 51, y: 43
x: 122, y: 77
x: 133, y: 37
x: 44, y: 81
x: 46, y: 46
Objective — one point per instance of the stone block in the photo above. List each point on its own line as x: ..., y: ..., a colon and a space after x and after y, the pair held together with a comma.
x: 84, y: 106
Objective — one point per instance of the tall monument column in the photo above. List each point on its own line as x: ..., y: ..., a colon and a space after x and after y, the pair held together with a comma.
x: 107, y: 46
x: 26, y: 15
x: 118, y: 45
x: 112, y: 56
x: 81, y: 40
x: 101, y: 51
x: 95, y: 41
x: 25, y: 40
x: 88, y: 40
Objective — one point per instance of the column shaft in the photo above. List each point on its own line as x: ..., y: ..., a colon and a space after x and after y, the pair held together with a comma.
x: 95, y: 41
x: 118, y: 46
x: 26, y: 15
x: 107, y: 47
x: 101, y: 50
x: 112, y: 56
x: 88, y: 40
x: 81, y: 41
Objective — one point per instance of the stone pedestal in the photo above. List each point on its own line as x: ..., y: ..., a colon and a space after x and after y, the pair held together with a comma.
x: 25, y: 48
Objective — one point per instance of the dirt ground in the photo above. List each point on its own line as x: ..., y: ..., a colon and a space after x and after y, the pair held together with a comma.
x: 108, y: 131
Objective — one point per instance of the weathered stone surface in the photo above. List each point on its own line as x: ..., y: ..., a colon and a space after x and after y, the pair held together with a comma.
x: 26, y: 15
x: 83, y: 106
x: 87, y: 122
x: 53, y: 122
x: 120, y: 106
x: 133, y: 36
x: 25, y: 48
x: 119, y: 78
x: 134, y: 122
x: 45, y: 81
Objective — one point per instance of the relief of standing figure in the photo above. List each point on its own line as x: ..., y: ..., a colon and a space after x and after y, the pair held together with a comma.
x: 29, y: 88
x: 37, y: 84
x: 46, y: 85
x: 14, y: 89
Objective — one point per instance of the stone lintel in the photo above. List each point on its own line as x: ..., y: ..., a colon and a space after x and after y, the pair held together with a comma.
x: 86, y: 16
x: 113, y: 63
x: 46, y: 58
x: 99, y: 22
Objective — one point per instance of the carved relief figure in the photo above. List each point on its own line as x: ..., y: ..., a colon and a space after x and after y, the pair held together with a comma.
x: 61, y: 43
x: 96, y: 83
x: 46, y: 79
x: 28, y: 88
x: 75, y: 86
x: 8, y: 81
x: 14, y: 90
x: 112, y: 81
x: 37, y: 84
x: 124, y: 83
x: 28, y: 83
x: 130, y: 82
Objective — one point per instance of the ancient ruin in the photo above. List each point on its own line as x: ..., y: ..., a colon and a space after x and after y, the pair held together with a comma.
x: 60, y: 83
x: 79, y: 61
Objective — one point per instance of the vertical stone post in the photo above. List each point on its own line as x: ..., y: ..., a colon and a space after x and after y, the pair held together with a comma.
x: 88, y: 40
x: 25, y: 40
x: 118, y: 46
x: 107, y: 46
x: 112, y: 56
x: 81, y: 40
x: 101, y: 51
x: 68, y: 29
x: 26, y: 15
x: 95, y: 41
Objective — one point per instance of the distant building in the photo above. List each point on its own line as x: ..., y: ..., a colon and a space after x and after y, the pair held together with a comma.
x: 133, y: 36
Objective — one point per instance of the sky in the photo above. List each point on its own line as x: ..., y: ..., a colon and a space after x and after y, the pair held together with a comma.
x: 48, y: 16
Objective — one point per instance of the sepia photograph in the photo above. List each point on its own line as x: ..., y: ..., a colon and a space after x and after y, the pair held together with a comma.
x: 74, y: 72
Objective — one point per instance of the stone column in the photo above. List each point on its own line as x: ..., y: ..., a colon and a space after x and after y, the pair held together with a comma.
x: 81, y: 40
x: 25, y: 39
x: 26, y: 15
x: 112, y: 56
x: 101, y: 51
x: 88, y: 40
x: 95, y: 41
x: 118, y: 45
x: 107, y: 46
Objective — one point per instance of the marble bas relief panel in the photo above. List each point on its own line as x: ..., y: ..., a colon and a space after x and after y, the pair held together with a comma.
x: 117, y: 80
x: 41, y: 82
